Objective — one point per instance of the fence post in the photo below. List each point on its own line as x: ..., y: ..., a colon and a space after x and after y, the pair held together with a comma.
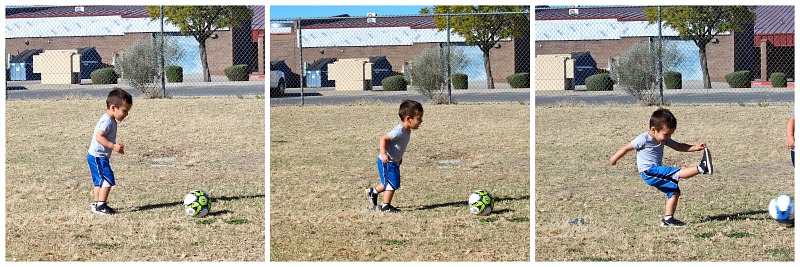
x: 302, y: 72
x: 660, y: 65
x: 163, y: 72
x: 449, y: 79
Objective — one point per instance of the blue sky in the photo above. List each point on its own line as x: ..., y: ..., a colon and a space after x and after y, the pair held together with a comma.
x: 276, y: 12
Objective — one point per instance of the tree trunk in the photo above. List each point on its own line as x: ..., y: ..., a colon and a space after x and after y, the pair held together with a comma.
x: 704, y: 66
x: 204, y: 60
x: 487, y: 64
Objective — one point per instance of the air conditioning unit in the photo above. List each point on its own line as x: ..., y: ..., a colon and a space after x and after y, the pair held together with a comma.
x: 372, y: 20
x: 574, y: 11
x: 78, y: 9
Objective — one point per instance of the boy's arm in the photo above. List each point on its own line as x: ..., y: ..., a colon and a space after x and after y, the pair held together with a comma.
x: 686, y: 147
x: 621, y: 152
x: 382, y: 146
x: 103, y: 141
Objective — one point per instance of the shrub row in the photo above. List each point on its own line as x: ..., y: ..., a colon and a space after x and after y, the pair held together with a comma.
x: 238, y: 72
x: 599, y: 82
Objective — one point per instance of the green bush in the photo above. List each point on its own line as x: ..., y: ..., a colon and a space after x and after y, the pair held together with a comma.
x: 237, y: 73
x: 599, y: 82
x: 673, y: 80
x: 738, y: 79
x: 778, y: 79
x: 394, y: 83
x: 174, y: 74
x: 460, y: 81
x: 104, y: 76
x: 519, y: 80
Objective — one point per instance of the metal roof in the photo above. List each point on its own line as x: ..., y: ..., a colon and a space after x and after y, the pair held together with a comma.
x: 773, y: 23
x: 774, y: 20
x: 257, y: 22
x: 345, y: 21
x: 619, y: 13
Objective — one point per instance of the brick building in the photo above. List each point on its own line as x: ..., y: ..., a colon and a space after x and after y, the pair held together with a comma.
x: 399, y: 39
x: 608, y: 31
x: 110, y: 29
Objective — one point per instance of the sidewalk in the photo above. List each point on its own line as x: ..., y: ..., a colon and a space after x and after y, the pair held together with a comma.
x: 87, y: 84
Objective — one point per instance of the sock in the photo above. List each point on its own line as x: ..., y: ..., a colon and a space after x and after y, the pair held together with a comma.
x: 700, y: 169
x: 374, y: 191
x: 100, y: 203
x: 667, y: 217
x: 384, y: 205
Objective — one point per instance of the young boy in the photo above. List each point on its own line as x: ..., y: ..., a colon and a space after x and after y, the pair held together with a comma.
x: 104, y: 141
x: 392, y: 146
x: 649, y: 148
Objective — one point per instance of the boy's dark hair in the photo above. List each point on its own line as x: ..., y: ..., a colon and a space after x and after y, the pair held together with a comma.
x: 409, y: 108
x: 116, y: 96
x: 663, y: 118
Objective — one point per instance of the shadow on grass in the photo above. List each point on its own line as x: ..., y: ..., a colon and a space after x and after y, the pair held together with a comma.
x: 180, y: 203
x: 464, y: 204
x: 749, y: 215
x: 288, y: 95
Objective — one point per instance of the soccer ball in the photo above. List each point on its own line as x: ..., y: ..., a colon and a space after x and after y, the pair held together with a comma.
x: 197, y: 203
x: 481, y: 202
x: 781, y: 208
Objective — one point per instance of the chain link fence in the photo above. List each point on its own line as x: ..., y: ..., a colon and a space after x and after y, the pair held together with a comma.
x: 701, y: 54
x: 151, y: 51
x: 345, y: 59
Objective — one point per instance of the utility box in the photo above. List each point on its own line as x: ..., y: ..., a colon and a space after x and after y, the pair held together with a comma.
x: 58, y: 66
x: 352, y: 74
x: 21, y: 66
x: 555, y: 72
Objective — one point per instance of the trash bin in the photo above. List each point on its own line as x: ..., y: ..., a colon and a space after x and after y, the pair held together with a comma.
x: 585, y: 66
x: 21, y: 66
x: 381, y: 68
x: 351, y: 74
x: 317, y: 73
x: 90, y: 61
x: 58, y: 66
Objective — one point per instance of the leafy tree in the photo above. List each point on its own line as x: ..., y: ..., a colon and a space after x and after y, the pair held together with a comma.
x: 201, y: 22
x: 483, y: 31
x: 703, y: 23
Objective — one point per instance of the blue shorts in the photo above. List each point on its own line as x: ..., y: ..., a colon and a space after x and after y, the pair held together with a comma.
x: 664, y: 178
x: 389, y: 174
x: 102, y: 175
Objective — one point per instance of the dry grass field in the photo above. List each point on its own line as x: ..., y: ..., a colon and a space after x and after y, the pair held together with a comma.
x: 218, y: 144
x: 726, y: 213
x: 322, y: 158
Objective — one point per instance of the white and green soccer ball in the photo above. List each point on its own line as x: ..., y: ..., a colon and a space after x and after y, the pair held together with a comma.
x: 481, y: 202
x: 197, y: 203
x: 781, y: 208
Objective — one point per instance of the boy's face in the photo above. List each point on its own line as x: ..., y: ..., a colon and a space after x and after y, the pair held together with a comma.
x: 415, y: 121
x: 661, y: 135
x: 120, y: 112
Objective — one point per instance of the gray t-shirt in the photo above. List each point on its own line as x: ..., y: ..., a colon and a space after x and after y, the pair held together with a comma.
x: 109, y: 126
x: 399, y: 138
x: 649, y: 152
